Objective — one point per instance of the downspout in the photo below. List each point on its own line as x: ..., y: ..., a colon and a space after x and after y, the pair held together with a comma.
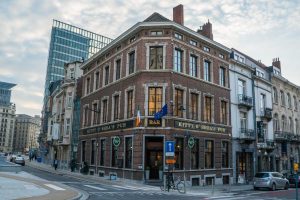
x: 255, y: 161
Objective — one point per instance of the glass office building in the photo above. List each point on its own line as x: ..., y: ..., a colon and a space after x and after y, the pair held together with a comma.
x: 69, y: 43
x: 5, y: 93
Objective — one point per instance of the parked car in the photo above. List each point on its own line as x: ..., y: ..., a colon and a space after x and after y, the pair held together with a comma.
x: 12, y: 158
x: 292, y: 180
x: 270, y: 180
x: 20, y: 160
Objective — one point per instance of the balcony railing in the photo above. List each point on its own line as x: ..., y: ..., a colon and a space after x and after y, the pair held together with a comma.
x: 268, y: 144
x: 245, y: 101
x: 247, y: 134
x: 281, y: 136
x: 266, y: 113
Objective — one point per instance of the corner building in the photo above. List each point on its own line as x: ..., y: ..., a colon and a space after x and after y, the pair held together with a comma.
x: 158, y: 62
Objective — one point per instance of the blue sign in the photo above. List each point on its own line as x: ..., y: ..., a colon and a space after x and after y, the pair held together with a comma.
x: 169, y: 148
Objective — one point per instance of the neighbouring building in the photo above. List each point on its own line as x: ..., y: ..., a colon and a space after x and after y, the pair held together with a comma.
x: 243, y: 119
x: 7, y: 117
x: 286, y: 115
x: 68, y: 43
x: 27, y: 129
x: 158, y: 65
x: 62, y: 107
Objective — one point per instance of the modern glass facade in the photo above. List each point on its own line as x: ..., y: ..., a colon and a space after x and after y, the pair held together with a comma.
x: 5, y: 93
x: 69, y: 43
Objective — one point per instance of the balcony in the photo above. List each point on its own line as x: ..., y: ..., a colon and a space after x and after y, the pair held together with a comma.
x: 267, y: 145
x: 295, y: 138
x: 281, y: 136
x: 266, y: 113
x: 247, y: 134
x: 245, y: 101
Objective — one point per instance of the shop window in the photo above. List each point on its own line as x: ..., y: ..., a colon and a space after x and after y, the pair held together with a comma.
x: 209, y: 154
x: 114, y: 154
x: 195, y: 155
x: 179, y: 147
x: 225, y: 154
x: 128, y: 152
x: 102, y: 152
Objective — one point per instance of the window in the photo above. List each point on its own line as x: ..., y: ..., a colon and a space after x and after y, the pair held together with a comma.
x: 132, y: 39
x: 95, y: 113
x: 243, y: 120
x: 193, y: 66
x: 118, y: 69
x: 295, y: 103
x: 114, y: 154
x: 291, y: 125
x: 207, y: 74
x: 276, y: 123
x: 85, y: 116
x: 97, y: 80
x: 130, y: 104
x: 222, y: 76
x: 156, y: 57
x: 297, y: 126
x: 262, y: 102
x: 225, y: 154
x: 178, y: 103
x: 179, y: 153
x: 104, y: 111
x: 116, y: 107
x: 195, y: 155
x: 69, y: 100
x: 102, y: 152
x: 93, y: 150
x: 260, y: 74
x: 178, y: 60
x: 87, y: 85
x: 106, y: 70
x: 289, y: 100
x: 209, y: 154
x: 208, y: 109
x: 275, y: 95
x: 128, y: 152
x: 283, y: 123
x: 82, y: 151
x: 192, y: 42
x: 223, y: 112
x: 206, y: 49
x: 68, y: 126
x: 154, y: 100
x: 194, y: 106
x: 178, y: 36
x: 282, y: 98
x: 156, y: 33
x: 221, y: 56
x: 241, y: 87
x: 131, y: 62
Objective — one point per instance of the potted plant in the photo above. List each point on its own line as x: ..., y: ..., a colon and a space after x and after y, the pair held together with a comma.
x: 147, y: 172
x: 160, y: 172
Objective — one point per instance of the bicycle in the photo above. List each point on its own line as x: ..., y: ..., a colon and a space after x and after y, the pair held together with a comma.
x: 174, y: 183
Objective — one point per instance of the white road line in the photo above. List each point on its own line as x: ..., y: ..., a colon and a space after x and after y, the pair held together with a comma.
x: 125, y: 187
x: 94, y: 187
x: 54, y: 187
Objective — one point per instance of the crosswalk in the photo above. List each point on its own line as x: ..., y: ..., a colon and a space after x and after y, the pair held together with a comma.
x: 111, y: 188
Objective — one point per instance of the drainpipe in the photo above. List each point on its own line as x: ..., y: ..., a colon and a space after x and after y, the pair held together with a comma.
x: 255, y: 128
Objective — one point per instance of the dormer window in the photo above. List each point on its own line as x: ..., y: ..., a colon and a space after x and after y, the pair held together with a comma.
x: 178, y: 36
x: 156, y: 33
x: 192, y: 42
x: 221, y: 56
x: 132, y: 39
x: 260, y: 74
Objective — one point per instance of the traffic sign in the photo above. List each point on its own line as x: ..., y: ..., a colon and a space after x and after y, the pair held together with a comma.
x: 191, y: 142
x: 116, y: 141
x: 296, y: 167
x: 169, y: 148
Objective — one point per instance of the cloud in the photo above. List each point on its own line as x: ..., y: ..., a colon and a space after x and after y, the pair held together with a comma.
x: 263, y: 29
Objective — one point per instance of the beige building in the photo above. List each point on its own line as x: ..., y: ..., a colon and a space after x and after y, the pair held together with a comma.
x: 286, y: 115
x: 27, y: 129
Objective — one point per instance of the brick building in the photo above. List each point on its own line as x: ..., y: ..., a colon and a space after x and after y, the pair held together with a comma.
x: 156, y: 63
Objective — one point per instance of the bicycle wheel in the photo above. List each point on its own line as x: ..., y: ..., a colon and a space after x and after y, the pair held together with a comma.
x: 180, y: 187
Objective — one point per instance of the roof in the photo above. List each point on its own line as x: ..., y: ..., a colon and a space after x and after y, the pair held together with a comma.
x: 7, y: 86
x: 252, y: 59
x: 156, y: 17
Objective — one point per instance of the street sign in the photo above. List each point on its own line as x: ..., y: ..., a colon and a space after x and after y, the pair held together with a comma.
x: 116, y: 141
x: 169, y: 148
x: 191, y: 142
x: 296, y: 167
x: 170, y: 161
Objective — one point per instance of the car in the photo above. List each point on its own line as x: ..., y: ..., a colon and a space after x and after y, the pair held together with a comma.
x: 292, y: 180
x: 20, y: 160
x: 270, y: 180
x: 12, y: 158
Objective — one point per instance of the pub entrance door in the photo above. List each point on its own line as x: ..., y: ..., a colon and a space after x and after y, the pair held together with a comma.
x: 154, y: 155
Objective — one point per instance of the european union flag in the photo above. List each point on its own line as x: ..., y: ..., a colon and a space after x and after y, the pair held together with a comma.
x: 161, y: 113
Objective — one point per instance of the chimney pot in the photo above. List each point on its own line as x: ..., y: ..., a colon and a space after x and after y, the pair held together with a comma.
x: 276, y: 63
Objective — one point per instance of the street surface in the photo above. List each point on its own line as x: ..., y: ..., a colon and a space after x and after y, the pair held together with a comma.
x: 97, y: 190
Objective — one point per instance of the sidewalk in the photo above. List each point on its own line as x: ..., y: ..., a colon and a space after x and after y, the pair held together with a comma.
x: 201, y: 191
x: 26, y: 186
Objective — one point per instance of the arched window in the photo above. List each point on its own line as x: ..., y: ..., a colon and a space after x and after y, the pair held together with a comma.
x: 295, y: 103
x: 289, y: 100
x: 282, y: 98
x: 276, y: 122
x: 275, y: 95
x: 297, y: 126
x: 291, y: 125
x: 283, y: 123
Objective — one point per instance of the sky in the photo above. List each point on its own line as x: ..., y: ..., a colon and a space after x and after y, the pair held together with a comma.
x: 263, y: 29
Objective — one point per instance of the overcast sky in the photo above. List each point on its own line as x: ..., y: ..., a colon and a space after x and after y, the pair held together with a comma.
x: 263, y: 29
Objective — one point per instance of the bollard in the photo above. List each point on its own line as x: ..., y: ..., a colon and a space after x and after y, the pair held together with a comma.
x: 184, y: 180
x: 165, y: 182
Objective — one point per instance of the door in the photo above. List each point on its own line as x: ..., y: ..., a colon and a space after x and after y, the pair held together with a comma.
x: 154, y: 156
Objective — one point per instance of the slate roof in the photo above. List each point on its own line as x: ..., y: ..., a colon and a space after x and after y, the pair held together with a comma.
x: 156, y: 17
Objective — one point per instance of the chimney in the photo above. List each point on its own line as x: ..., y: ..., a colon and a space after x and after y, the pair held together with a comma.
x: 276, y: 63
x: 178, y: 15
x: 206, y: 30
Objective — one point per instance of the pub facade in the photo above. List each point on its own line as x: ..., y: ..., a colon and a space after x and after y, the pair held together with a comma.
x: 156, y: 64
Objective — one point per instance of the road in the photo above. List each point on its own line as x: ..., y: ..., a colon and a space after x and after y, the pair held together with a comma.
x: 98, y: 190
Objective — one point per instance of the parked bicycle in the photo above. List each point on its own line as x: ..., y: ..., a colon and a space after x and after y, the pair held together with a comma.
x: 173, y: 182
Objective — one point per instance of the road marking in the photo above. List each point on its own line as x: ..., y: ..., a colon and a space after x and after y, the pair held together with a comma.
x: 94, y: 187
x: 54, y: 187
x: 125, y: 187
x: 30, y: 187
